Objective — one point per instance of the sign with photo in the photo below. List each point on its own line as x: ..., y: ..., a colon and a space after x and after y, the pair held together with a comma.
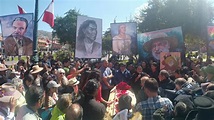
x: 170, y: 61
x: 152, y: 44
x: 17, y: 31
x: 88, y: 37
x: 124, y: 38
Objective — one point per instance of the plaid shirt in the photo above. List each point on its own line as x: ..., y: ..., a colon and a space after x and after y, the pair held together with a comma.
x: 148, y: 107
x: 184, y: 88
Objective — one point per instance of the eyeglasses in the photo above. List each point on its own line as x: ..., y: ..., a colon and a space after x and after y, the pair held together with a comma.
x: 61, y: 73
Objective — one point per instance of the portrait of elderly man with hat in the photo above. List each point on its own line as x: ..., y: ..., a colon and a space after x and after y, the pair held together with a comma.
x: 160, y: 42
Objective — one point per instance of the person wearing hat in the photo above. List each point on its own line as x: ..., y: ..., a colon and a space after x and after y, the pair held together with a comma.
x: 209, y: 73
x: 77, y: 95
x: 160, y: 42
x: 205, y: 108
x: 37, y: 77
x: 8, y: 101
x: 93, y: 110
x: 51, y: 93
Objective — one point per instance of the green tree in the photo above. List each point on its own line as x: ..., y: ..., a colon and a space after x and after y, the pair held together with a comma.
x: 65, y: 27
x: 192, y: 15
x: 107, y: 42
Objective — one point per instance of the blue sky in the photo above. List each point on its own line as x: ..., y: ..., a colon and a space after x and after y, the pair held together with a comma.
x: 106, y: 10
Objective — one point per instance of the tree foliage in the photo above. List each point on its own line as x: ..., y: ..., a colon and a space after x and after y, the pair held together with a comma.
x: 65, y: 27
x: 192, y: 15
x: 107, y: 42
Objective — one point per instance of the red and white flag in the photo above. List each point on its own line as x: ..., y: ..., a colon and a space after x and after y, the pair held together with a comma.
x: 21, y: 10
x: 49, y: 14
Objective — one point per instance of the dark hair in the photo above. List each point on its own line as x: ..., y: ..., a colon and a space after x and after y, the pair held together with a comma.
x: 91, y: 87
x: 33, y: 95
x: 27, y: 77
x: 125, y: 102
x: 154, y: 64
x: 151, y: 84
x: 164, y: 73
x: 83, y: 26
x: 21, y: 19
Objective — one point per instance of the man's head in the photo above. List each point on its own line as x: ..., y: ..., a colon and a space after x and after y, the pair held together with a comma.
x: 151, y: 87
x: 160, y: 42
x: 74, y: 112
x: 122, y: 67
x: 158, y: 47
x: 143, y: 79
x: 122, y: 29
x: 88, y: 30
x: 163, y: 75
x: 179, y: 82
x: 34, y: 97
x: 105, y: 63
x: 20, y: 25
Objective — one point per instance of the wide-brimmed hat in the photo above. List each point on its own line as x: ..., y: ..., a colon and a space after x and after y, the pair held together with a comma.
x: 3, y: 67
x: 36, y: 69
x: 52, y: 84
x: 209, y: 69
x: 73, y: 81
x: 7, y: 91
x: 157, y: 37
x: 204, y: 103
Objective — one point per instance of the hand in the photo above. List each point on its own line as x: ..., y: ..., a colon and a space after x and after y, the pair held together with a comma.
x: 110, y: 102
x: 110, y: 87
x: 85, y: 66
x: 12, y: 104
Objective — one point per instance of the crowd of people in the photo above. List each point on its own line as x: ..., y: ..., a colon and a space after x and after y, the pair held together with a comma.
x: 80, y: 90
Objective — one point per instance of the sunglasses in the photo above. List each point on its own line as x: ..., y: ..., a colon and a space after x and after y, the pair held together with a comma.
x: 61, y: 73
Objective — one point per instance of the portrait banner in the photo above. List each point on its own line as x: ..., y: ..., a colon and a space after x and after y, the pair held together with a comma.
x: 17, y: 32
x: 210, y: 30
x: 170, y: 61
x: 124, y: 38
x: 151, y: 44
x: 88, y: 37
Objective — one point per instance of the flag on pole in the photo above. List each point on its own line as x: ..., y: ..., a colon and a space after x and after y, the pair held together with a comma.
x: 49, y: 14
x: 21, y: 10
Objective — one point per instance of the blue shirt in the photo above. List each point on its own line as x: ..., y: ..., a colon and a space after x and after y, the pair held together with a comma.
x: 105, y: 73
x: 148, y: 107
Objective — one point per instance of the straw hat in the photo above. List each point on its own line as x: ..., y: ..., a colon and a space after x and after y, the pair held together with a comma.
x: 3, y: 67
x: 73, y: 81
x: 36, y: 69
x: 7, y: 91
x: 160, y: 36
